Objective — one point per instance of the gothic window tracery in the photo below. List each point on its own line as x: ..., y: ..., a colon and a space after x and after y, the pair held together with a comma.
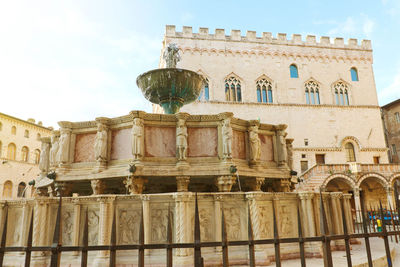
x: 233, y: 90
x: 341, y: 93
x: 312, y: 93
x: 205, y: 93
x: 264, y: 91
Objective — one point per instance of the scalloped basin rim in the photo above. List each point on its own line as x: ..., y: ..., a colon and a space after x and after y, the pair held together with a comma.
x: 170, y: 84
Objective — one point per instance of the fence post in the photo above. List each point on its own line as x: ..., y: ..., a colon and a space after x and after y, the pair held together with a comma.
x: 345, y: 232
x: 326, y: 242
x: 198, y: 260
x: 85, y: 241
x: 301, y: 240
x: 224, y: 242
x: 57, y: 239
x: 252, y: 260
x: 113, y: 242
x: 169, y: 240
x: 276, y: 239
x: 141, y: 241
x: 385, y: 236
x: 367, y: 244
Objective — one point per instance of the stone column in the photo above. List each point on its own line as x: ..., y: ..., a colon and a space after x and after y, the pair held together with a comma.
x: 337, y: 217
x: 106, y: 215
x: 357, y: 202
x: 389, y: 193
x: 39, y: 227
x: 146, y: 220
x: 252, y: 199
x: 224, y: 183
x: 347, y: 212
x: 218, y: 219
x: 76, y: 227
x: 183, y: 223
x: 307, y: 213
x: 182, y: 183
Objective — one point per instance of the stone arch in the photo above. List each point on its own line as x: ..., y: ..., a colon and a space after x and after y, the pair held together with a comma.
x: 346, y: 178
x: 380, y: 178
x: 7, y: 189
x: 352, y: 139
x: 393, y: 178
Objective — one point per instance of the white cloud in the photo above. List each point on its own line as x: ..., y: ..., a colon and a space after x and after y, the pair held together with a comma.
x: 352, y: 26
x: 391, y: 92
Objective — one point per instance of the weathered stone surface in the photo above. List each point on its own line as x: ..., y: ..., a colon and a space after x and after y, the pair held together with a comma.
x: 203, y: 142
x: 267, y: 148
x: 239, y: 145
x: 84, y: 147
x: 159, y: 141
x: 120, y: 146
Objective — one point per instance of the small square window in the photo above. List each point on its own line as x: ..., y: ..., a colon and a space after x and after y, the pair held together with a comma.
x: 306, y: 142
x: 303, y: 156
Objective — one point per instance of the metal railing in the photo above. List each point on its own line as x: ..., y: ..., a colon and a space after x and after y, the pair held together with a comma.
x: 366, y: 229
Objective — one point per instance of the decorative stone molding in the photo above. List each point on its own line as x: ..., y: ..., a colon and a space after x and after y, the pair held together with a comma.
x: 225, y: 183
x: 97, y: 186
x: 135, y: 185
x: 182, y: 183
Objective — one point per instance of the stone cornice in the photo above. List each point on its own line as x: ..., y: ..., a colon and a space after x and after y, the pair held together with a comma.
x: 338, y: 149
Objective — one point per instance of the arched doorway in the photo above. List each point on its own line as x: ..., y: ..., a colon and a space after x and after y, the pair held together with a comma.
x: 373, y: 193
x: 341, y: 184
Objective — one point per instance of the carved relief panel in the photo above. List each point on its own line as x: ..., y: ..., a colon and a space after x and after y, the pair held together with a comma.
x: 128, y: 225
x: 14, y: 227
x: 93, y: 223
x: 266, y: 228
x: 287, y: 220
x: 67, y: 218
x: 207, y: 223
x: 233, y: 219
x: 159, y: 223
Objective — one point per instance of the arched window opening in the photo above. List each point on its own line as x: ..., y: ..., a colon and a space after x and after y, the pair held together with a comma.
x: 233, y: 89
x: 38, y: 136
x: 14, y: 130
x: 11, y: 151
x: 21, y: 189
x: 350, y: 154
x: 1, y: 126
x: 26, y: 134
x: 264, y: 91
x: 37, y: 156
x: 205, y: 93
x: 341, y: 93
x: 312, y: 93
x: 7, y: 189
x: 293, y: 71
x: 354, y: 74
x: 25, y: 154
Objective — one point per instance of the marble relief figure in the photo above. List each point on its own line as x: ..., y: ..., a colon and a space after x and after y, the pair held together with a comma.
x: 67, y: 228
x: 53, y: 150
x: 159, y: 224
x: 93, y: 223
x: 255, y: 144
x: 62, y: 154
x: 181, y: 140
x: 227, y: 134
x: 44, y: 157
x: 100, y: 145
x: 137, y: 139
x: 129, y: 227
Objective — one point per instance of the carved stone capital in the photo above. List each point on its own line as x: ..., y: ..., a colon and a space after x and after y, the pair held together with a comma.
x: 135, y: 185
x: 336, y: 195
x: 97, y: 186
x: 63, y: 188
x: 305, y: 195
x: 225, y: 183
x: 182, y: 183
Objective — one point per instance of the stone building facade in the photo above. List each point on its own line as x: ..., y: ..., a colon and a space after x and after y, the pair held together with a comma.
x: 324, y: 90
x: 391, y: 124
x: 20, y: 148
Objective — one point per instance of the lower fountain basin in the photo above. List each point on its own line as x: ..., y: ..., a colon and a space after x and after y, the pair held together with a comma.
x: 171, y: 87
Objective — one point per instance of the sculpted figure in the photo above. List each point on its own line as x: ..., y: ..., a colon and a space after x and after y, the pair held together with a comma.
x: 44, y: 157
x: 100, y: 144
x: 227, y: 139
x: 137, y: 139
x: 171, y: 56
x: 67, y: 228
x: 62, y: 155
x: 93, y: 223
x: 255, y: 144
x: 53, y: 150
x: 282, y: 145
x: 181, y: 140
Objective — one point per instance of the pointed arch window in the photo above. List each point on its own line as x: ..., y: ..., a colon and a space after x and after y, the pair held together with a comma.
x: 11, y: 151
x: 341, y: 93
x: 350, y: 154
x: 205, y: 93
x: 312, y: 93
x: 264, y: 91
x: 294, y: 73
x: 233, y: 91
x: 354, y: 74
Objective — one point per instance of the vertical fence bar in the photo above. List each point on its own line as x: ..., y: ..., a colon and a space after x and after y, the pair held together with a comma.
x: 113, y: 242
x: 392, y: 221
x: 301, y: 240
x: 57, y: 239
x: 366, y: 238
x: 141, y: 241
x: 85, y: 242
x: 224, y: 242
x: 346, y: 234
x: 385, y: 236
x: 4, y: 236
x: 397, y: 202
x: 276, y: 239
x: 169, y: 240
x: 326, y: 243
x: 29, y: 243
x: 252, y: 257
x: 198, y: 260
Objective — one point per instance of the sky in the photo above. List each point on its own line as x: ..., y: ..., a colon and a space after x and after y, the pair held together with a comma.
x: 77, y: 60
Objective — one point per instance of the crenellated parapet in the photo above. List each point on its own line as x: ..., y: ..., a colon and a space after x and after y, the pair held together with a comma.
x: 268, y: 38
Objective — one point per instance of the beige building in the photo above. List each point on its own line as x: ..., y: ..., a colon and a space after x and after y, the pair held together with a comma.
x: 391, y: 123
x: 324, y: 90
x: 20, y: 148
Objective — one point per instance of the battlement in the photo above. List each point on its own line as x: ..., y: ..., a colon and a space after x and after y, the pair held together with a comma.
x: 266, y: 37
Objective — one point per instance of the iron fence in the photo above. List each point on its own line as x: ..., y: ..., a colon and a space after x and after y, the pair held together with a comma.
x: 372, y: 223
